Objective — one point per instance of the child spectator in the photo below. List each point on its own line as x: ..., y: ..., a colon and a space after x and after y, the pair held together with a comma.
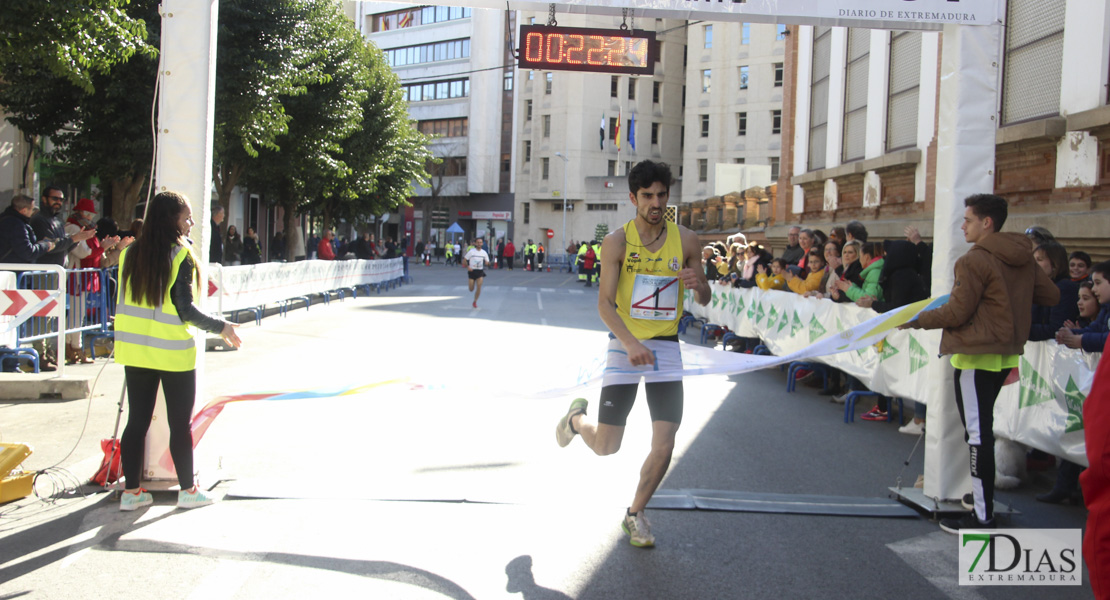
x: 870, y: 256
x: 833, y: 270
x: 1079, y: 266
x: 1091, y: 338
x: 899, y: 280
x: 1052, y: 258
x: 754, y: 255
x: 774, y: 281
x: 811, y: 282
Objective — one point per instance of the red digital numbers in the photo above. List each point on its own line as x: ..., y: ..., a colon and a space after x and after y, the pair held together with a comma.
x: 584, y: 49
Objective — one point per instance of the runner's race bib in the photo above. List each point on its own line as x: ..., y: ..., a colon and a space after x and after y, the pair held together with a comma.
x: 654, y: 298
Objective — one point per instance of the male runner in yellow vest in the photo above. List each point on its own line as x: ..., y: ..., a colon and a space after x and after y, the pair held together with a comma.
x: 648, y: 264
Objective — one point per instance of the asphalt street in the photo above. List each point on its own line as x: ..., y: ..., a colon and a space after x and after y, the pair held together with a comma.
x: 440, y: 481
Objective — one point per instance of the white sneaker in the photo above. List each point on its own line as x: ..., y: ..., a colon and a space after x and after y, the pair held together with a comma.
x: 912, y: 428
x: 193, y: 498
x: 639, y: 529
x: 129, y: 501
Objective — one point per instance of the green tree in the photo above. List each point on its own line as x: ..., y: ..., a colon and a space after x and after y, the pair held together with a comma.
x: 308, y: 164
x: 385, y: 155
x: 71, y: 39
x: 265, y: 54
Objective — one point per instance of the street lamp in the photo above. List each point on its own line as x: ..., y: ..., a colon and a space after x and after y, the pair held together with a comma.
x: 566, y: 161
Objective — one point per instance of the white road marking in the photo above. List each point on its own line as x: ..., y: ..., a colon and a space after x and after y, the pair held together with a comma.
x: 548, y: 290
x: 577, y: 291
x: 543, y: 321
x: 539, y: 301
x: 935, y: 557
x: 520, y: 289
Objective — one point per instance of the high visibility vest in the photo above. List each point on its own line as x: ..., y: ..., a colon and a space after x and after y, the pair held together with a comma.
x: 153, y: 337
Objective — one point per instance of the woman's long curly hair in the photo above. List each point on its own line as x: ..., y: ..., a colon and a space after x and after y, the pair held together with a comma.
x: 147, y: 269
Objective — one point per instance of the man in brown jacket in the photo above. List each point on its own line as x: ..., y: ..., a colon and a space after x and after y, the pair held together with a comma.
x: 986, y: 323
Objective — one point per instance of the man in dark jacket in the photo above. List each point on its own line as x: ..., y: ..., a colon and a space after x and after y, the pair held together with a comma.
x: 899, y: 279
x: 49, y: 225
x: 18, y: 242
x: 986, y: 323
x: 216, y: 246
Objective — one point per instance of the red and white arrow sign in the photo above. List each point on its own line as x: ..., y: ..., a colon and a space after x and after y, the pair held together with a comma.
x: 12, y: 302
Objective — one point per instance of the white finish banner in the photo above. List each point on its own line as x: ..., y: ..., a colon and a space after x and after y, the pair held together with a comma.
x: 248, y: 286
x: 1043, y: 408
x: 878, y: 14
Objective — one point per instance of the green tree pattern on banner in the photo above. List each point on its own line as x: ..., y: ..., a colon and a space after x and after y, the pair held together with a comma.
x: 1074, y: 399
x: 772, y: 318
x: 759, y: 313
x: 795, y: 325
x: 918, y: 356
x: 1034, y: 388
x: 888, y: 350
x: 816, y: 330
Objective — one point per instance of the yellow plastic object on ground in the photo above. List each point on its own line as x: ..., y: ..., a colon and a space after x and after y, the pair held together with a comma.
x: 14, y: 484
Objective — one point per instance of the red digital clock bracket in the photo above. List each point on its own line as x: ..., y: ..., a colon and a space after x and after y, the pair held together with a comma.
x: 617, y: 51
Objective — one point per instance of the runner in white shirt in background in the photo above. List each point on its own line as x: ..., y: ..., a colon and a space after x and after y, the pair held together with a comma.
x: 476, y: 261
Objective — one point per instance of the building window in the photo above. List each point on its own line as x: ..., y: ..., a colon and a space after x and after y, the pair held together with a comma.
x: 545, y: 167
x: 708, y: 37
x: 508, y: 82
x: 437, y: 90
x: 855, y: 94
x: 778, y: 74
x: 527, y: 151
x: 706, y: 79
x: 776, y: 121
x: 506, y: 163
x: 612, y: 128
x: 1032, y: 60
x: 655, y: 87
x: 704, y: 125
x: 611, y: 169
x: 425, y: 53
x: 819, y: 97
x: 740, y: 161
x: 558, y: 206
x: 744, y: 77
x: 631, y: 88
x: 548, y: 78
x: 745, y: 33
x: 527, y: 211
x: 527, y: 110
x: 703, y: 170
x: 614, y: 85
x: 684, y: 97
x: 742, y: 123
x: 607, y: 206
x: 449, y: 166
x: 780, y: 33
x: 905, y: 83
x: 547, y: 126
x: 654, y: 133
x: 444, y: 127
x: 412, y: 17
x: 774, y: 168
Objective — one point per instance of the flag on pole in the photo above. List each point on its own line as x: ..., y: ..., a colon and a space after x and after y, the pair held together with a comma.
x: 601, y: 142
x: 620, y: 117
x: 632, y: 132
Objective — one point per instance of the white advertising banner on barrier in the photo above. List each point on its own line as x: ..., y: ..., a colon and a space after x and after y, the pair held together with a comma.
x: 1042, y: 408
x: 248, y: 286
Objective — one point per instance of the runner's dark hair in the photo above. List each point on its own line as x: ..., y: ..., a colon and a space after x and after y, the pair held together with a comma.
x: 648, y: 172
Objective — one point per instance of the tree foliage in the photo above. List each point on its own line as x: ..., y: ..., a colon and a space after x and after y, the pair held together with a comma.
x: 71, y: 39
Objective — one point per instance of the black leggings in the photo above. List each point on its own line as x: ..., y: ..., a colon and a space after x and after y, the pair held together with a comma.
x: 976, y: 392
x: 664, y: 400
x: 180, y: 389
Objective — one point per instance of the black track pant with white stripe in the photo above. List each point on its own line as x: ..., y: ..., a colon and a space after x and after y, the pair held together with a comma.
x: 976, y: 392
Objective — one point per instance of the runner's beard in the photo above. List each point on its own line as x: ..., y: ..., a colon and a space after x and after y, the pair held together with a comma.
x: 652, y: 216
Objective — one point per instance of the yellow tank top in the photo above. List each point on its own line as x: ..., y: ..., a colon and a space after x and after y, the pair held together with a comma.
x: 649, y: 293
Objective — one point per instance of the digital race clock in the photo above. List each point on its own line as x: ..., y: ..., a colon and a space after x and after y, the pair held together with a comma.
x: 585, y: 49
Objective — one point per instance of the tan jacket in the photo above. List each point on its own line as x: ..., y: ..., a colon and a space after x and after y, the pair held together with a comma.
x: 991, y: 303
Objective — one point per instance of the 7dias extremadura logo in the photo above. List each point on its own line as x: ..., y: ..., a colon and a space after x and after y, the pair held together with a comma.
x: 1021, y: 557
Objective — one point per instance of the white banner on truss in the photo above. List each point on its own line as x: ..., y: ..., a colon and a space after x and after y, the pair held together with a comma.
x: 883, y: 14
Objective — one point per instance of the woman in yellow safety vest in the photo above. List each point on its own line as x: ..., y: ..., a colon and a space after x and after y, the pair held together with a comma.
x: 158, y: 280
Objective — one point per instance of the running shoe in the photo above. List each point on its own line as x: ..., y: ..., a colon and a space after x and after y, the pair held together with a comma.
x: 969, y: 521
x: 474, y: 304
x: 192, y: 498
x: 131, y: 501
x: 874, y: 415
x: 639, y: 530
x: 912, y: 428
x: 563, y: 432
